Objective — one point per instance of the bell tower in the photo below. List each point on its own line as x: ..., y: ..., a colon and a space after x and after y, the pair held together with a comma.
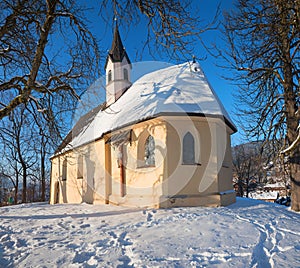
x: 117, y: 69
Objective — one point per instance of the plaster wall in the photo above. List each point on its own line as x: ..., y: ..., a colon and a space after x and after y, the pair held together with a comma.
x: 199, y: 183
x: 69, y: 190
x: 143, y: 183
x: 87, y: 187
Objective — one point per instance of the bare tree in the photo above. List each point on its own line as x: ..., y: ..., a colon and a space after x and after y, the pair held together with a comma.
x: 18, y: 137
x: 44, y: 142
x: 264, y: 46
x: 248, y: 163
x: 34, y: 79
x: 6, y: 183
x: 28, y: 31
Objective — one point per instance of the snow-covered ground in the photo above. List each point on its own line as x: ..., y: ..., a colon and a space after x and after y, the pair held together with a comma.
x: 249, y: 233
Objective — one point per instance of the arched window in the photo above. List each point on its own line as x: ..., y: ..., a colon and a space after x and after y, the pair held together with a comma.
x: 64, y: 170
x: 149, y: 151
x: 125, y: 72
x: 80, y: 167
x: 109, y: 76
x: 188, y: 150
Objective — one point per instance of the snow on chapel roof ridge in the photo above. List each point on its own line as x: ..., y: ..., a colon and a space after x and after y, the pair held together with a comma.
x: 178, y: 89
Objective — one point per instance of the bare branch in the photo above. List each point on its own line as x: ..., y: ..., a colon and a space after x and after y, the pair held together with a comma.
x: 294, y: 144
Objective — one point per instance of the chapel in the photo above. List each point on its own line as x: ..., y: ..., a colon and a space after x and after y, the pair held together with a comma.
x: 160, y: 141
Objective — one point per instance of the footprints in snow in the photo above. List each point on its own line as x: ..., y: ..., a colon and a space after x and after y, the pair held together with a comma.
x: 8, y: 241
x: 149, y: 214
x: 108, y: 240
x: 124, y: 244
x: 268, y: 243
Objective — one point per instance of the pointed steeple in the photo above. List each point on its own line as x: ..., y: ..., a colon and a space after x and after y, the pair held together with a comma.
x: 117, y: 51
x: 117, y: 68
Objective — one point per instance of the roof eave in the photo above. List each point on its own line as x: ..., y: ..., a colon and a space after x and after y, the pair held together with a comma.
x: 227, y: 122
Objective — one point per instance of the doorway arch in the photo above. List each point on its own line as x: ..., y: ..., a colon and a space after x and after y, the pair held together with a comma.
x: 56, y: 192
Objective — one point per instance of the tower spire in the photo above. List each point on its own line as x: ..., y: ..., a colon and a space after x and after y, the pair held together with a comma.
x: 115, y: 19
x: 117, y: 68
x: 117, y: 51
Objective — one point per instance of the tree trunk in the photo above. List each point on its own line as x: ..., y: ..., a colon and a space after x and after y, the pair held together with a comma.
x: 290, y: 99
x: 42, y: 155
x: 295, y: 181
x: 43, y: 196
x: 247, y: 186
x: 292, y: 133
x: 240, y: 187
x: 16, y: 187
x: 24, y: 189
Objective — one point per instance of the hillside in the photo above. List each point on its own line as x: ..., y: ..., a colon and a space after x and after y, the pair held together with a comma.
x: 247, y: 234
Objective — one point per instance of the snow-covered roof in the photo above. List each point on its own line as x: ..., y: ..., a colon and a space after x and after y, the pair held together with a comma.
x: 179, y: 89
x: 264, y: 195
x: 275, y: 185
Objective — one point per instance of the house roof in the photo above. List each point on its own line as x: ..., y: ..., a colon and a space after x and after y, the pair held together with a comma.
x: 177, y: 90
x: 117, y: 51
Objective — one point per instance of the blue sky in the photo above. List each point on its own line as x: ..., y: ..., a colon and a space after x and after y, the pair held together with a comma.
x: 134, y: 36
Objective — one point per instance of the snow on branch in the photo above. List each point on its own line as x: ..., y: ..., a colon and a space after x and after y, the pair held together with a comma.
x: 294, y: 144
